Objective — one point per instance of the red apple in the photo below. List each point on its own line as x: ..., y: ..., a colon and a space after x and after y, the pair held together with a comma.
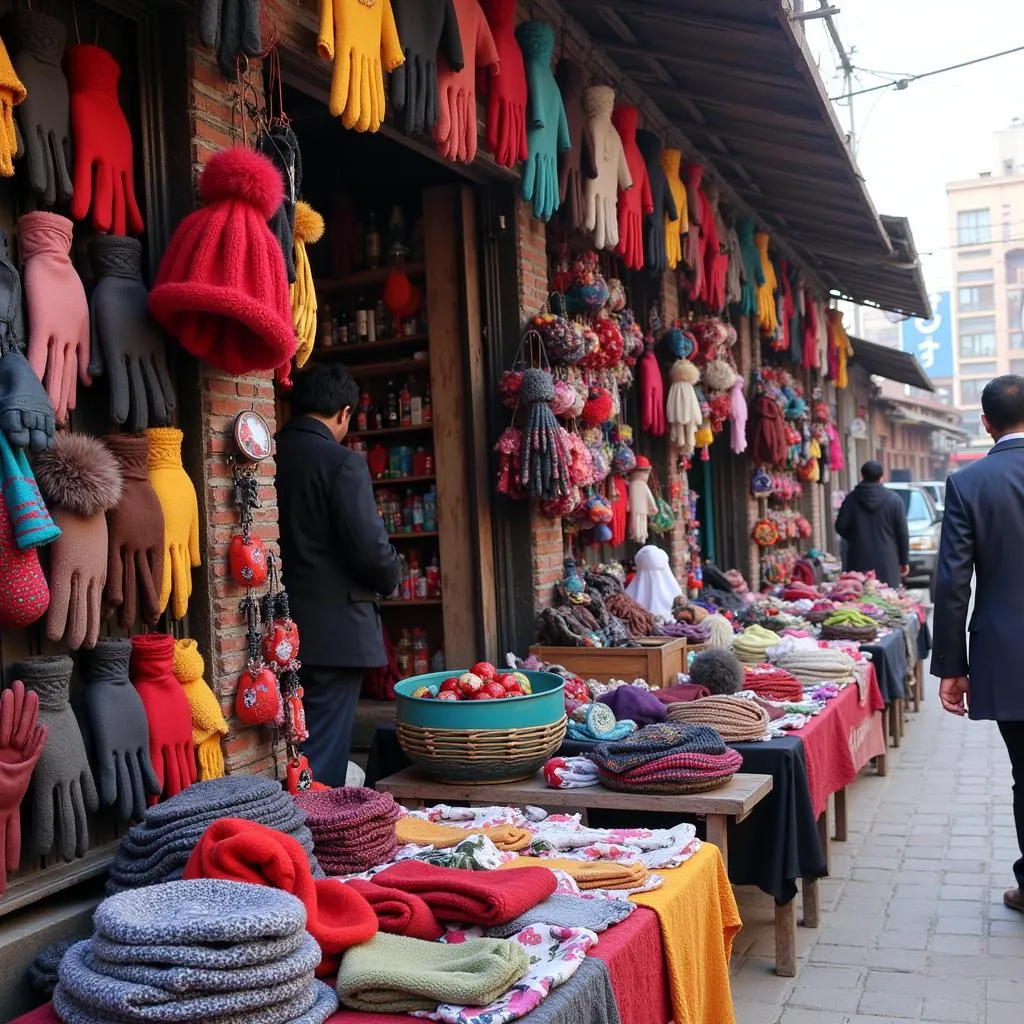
x: 485, y: 670
x: 450, y: 685
x: 512, y: 688
x: 483, y: 695
x: 495, y: 690
x: 447, y: 695
x: 470, y: 684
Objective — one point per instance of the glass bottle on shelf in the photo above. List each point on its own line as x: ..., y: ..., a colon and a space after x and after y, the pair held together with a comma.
x: 396, y: 227
x: 407, y: 512
x: 392, y: 408
x: 433, y: 575
x: 415, y: 404
x: 417, y: 514
x: 380, y: 319
x: 405, y: 404
x: 437, y: 662
x: 361, y: 321
x: 420, y: 653
x: 415, y: 575
x: 363, y: 413
x: 428, y: 411
x: 374, y: 243
x: 344, y: 328
x: 376, y: 417
x: 430, y: 511
x: 405, y: 655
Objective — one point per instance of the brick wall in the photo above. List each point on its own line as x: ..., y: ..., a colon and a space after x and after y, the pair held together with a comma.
x: 674, y: 474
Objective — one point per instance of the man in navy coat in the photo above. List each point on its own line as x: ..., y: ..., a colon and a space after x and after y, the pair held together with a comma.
x: 983, y: 538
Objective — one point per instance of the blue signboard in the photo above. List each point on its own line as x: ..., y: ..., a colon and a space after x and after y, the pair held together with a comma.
x: 932, y: 340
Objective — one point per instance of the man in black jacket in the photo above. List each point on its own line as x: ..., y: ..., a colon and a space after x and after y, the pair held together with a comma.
x: 983, y: 538
x: 873, y: 522
x: 337, y: 561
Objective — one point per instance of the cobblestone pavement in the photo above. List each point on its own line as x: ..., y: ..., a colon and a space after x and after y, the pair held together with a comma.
x: 913, y: 926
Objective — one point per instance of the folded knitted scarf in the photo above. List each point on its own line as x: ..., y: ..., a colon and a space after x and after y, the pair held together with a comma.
x: 470, y: 897
x: 570, y: 773
x: 421, y: 832
x: 654, y: 742
x: 588, y: 874
x: 563, y: 910
x: 772, y: 683
x: 399, y: 913
x: 733, y: 718
x: 336, y: 915
x: 682, y: 766
x: 393, y: 974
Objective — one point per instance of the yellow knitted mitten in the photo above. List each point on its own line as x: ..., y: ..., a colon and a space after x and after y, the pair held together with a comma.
x: 309, y: 229
x: 12, y: 92
x: 208, y: 724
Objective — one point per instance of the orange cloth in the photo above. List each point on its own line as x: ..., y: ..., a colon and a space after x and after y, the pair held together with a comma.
x: 699, y: 920
x: 443, y: 837
x: 589, y: 874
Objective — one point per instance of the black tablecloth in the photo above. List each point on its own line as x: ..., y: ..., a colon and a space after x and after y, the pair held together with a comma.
x: 771, y: 849
x: 889, y: 655
x: 924, y: 642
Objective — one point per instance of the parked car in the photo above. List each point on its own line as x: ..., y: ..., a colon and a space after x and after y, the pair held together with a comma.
x: 924, y: 524
x: 937, y: 490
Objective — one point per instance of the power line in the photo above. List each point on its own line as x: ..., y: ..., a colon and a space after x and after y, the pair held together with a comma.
x: 903, y: 83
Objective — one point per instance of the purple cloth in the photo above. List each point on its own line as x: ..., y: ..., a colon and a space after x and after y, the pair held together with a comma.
x: 640, y: 706
x: 682, y: 693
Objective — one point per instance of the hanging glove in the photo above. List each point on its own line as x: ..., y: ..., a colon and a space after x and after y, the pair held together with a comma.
x: 104, y: 166
x: 424, y: 27
x: 671, y: 161
x: 767, y: 313
x: 117, y: 732
x: 37, y: 47
x: 12, y: 92
x: 127, y: 343
x: 135, y: 563
x: 309, y: 229
x: 81, y: 481
x: 576, y: 164
x: 548, y: 129
x: 652, y: 395
x: 58, y: 314
x: 507, y: 87
x: 281, y: 145
x: 30, y: 519
x: 21, y: 744
x: 655, y: 245
x: 641, y: 504
x: 177, y: 496
x: 753, y: 274
x: 620, y: 511
x: 455, y: 130
x: 24, y: 596
x: 232, y: 28
x: 63, y: 791
x: 634, y: 203
x: 363, y: 42
x: 208, y: 722
x: 167, y: 709
x: 613, y: 173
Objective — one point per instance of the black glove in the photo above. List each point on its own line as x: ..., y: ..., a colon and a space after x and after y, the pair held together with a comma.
x: 232, y: 28
x: 576, y: 164
x: 127, y: 342
x: 424, y: 28
x: 115, y: 725
x: 36, y: 46
x: 281, y: 145
x: 655, y: 257
x: 12, y: 312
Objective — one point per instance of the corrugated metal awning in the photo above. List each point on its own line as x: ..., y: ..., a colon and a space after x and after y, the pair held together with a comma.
x: 890, y: 363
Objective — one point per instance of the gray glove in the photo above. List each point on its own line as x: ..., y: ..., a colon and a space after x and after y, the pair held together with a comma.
x: 232, y: 28
x: 281, y: 145
x: 36, y: 46
x: 62, y: 791
x: 114, y: 721
x: 127, y: 343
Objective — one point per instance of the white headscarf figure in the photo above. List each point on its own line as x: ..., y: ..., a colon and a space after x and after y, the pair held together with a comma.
x: 654, y: 586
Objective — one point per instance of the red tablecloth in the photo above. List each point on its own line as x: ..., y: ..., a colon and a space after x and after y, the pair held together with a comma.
x: 632, y: 950
x: 842, y: 739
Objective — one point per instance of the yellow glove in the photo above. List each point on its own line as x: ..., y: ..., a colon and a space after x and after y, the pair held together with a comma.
x: 840, y: 341
x: 208, y: 724
x: 671, y: 160
x: 767, y: 315
x: 177, y: 497
x: 309, y: 229
x: 12, y: 92
x: 362, y: 40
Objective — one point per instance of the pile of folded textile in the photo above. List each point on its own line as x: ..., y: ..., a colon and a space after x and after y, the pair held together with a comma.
x: 588, y: 874
x: 750, y: 646
x: 735, y: 719
x: 570, y: 773
x: 420, y: 832
x: 204, y: 950
x: 353, y: 827
x: 812, y: 664
x: 157, y: 848
x: 772, y: 683
x: 399, y: 913
x: 666, y: 758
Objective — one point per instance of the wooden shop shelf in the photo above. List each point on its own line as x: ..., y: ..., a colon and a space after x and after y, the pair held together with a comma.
x: 368, y: 278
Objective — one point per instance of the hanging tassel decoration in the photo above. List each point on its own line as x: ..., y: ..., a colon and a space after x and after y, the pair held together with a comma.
x: 544, y: 467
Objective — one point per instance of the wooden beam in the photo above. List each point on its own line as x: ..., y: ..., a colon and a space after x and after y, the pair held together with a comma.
x: 747, y: 113
x: 680, y: 15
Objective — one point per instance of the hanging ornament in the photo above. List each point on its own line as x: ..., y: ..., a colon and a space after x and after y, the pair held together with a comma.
x: 257, y: 699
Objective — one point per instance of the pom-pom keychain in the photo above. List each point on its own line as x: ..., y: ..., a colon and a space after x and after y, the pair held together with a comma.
x: 719, y: 375
x: 609, y: 351
x: 599, y: 407
x: 682, y: 409
x: 680, y: 343
x: 509, y: 448
x: 588, y: 292
x: 563, y: 339
x: 616, y: 295
x: 564, y: 402
x: 544, y: 463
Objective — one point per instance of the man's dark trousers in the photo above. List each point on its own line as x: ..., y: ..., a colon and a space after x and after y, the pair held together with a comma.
x: 330, y: 698
x: 1013, y: 735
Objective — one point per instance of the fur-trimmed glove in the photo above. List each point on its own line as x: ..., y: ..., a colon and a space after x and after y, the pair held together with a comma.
x: 208, y: 723
x: 81, y: 481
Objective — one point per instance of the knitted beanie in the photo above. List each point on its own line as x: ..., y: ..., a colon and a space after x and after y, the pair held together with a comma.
x: 634, y: 704
x: 733, y: 718
x: 222, y: 289
x: 399, y: 913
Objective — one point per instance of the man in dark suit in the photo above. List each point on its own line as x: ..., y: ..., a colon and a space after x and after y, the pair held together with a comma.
x: 337, y: 561
x: 873, y: 523
x: 983, y: 537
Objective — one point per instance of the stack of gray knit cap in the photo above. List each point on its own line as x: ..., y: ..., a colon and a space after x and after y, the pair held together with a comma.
x: 203, y: 949
x: 157, y: 849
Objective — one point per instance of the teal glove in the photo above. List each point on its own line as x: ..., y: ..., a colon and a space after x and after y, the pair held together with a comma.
x: 547, y: 130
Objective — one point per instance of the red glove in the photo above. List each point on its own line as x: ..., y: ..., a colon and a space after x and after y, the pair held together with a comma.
x: 652, y: 395
x: 170, y: 716
x: 21, y: 742
x: 506, y: 92
x: 102, y: 143
x: 620, y: 511
x: 637, y: 202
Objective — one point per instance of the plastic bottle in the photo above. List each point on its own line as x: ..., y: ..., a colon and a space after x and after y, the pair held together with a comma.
x: 407, y: 512
x: 392, y: 413
x: 420, y: 653
x: 363, y: 413
x: 437, y: 663
x: 405, y: 655
x: 433, y: 576
x: 428, y: 412
x: 405, y: 405
x: 430, y: 511
x: 415, y: 575
x: 403, y: 566
x: 396, y: 227
x: 417, y: 514
x: 374, y: 243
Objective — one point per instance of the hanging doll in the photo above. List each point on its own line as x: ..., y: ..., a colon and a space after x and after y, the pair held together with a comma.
x: 641, y: 501
x: 682, y: 411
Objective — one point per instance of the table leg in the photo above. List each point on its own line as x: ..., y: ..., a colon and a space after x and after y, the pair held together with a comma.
x: 911, y: 687
x: 898, y: 710
x: 919, y: 682
x: 785, y: 939
x: 882, y: 763
x: 718, y: 834
x: 840, y: 808
x: 811, y: 903
x: 823, y: 836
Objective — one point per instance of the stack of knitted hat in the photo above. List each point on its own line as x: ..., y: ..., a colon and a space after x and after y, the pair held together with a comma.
x: 750, y: 646
x: 204, y: 950
x: 813, y: 665
x: 666, y: 758
x: 772, y: 683
x: 157, y: 849
x: 735, y: 719
x: 353, y: 827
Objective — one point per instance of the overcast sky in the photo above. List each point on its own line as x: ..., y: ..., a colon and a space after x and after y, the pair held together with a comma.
x: 911, y: 142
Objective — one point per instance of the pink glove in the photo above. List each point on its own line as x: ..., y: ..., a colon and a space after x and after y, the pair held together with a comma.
x: 58, y: 314
x: 637, y: 202
x: 455, y: 131
x: 652, y: 395
x: 506, y: 92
